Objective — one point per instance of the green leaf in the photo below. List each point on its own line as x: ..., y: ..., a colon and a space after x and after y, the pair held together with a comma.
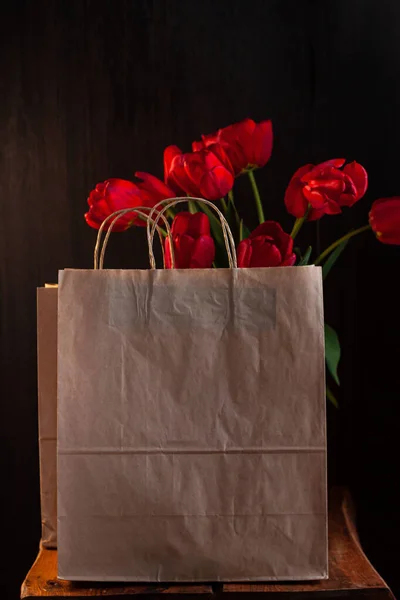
x: 304, y: 260
x: 333, y: 258
x: 192, y: 207
x: 332, y: 352
x: 244, y: 232
x: 230, y: 216
x: 221, y: 257
x: 215, y: 224
x: 297, y: 252
x: 331, y: 397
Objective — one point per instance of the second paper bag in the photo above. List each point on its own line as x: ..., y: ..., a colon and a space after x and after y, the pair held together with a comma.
x: 191, y: 425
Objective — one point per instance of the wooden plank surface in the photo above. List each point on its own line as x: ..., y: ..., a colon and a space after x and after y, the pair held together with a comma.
x: 350, y: 573
x: 42, y: 582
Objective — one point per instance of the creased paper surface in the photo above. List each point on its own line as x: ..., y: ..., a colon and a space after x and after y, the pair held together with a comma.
x: 47, y: 407
x: 191, y: 425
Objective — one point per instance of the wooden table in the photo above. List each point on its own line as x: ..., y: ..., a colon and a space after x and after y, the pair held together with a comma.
x: 350, y: 574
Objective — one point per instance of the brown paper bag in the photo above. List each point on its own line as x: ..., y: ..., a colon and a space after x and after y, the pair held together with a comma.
x: 47, y: 405
x: 191, y: 425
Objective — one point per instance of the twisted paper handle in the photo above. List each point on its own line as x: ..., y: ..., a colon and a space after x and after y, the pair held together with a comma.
x: 226, y: 231
x: 98, y: 264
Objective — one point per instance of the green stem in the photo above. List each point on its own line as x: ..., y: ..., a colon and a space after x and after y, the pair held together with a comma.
x: 232, y: 203
x: 170, y: 213
x: 259, y: 206
x: 331, y: 397
x: 330, y: 248
x: 192, y: 206
x: 224, y: 205
x: 298, y: 224
x: 164, y: 233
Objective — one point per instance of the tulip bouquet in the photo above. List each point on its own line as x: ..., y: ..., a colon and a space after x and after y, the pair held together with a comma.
x: 210, y: 171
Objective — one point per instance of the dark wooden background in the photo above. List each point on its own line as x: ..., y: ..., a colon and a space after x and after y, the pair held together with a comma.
x: 93, y: 89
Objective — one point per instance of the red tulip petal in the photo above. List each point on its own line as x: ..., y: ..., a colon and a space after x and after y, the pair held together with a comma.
x: 247, y: 143
x: 385, y: 208
x: 244, y: 254
x: 238, y: 143
x: 315, y: 214
x: 216, y: 183
x: 328, y: 174
x: 302, y: 171
x: 170, y: 153
x: 194, y: 225
x: 219, y: 152
x: 210, y: 138
x: 316, y: 171
x: 203, y: 173
x: 92, y: 221
x: 125, y: 194
x: 206, y: 140
x: 203, y: 252
x: 174, y: 172
x: 196, y: 146
x: 237, y: 158
x: 295, y: 202
x: 183, y: 176
x: 183, y: 246
x: 273, y: 232
x: 267, y: 246
x: 111, y: 196
x: 314, y: 197
x: 289, y: 260
x: 285, y: 244
x: 238, y: 132
x: 389, y: 237
x: 167, y: 254
x: 193, y: 246
x: 180, y: 224
x: 155, y: 186
x: 95, y: 220
x: 97, y: 193
x: 327, y: 185
x: 194, y: 170
x: 359, y: 176
x: 332, y: 208
x: 333, y: 162
x: 262, y: 140
x: 264, y: 254
x: 384, y: 218
x: 199, y: 225
x: 121, y: 194
x: 347, y: 199
x: 271, y: 229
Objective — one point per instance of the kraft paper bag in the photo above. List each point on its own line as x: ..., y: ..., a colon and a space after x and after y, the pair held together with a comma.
x: 191, y: 425
x: 47, y: 406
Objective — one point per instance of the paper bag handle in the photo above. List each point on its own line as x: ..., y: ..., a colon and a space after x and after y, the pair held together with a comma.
x: 98, y: 263
x: 226, y: 231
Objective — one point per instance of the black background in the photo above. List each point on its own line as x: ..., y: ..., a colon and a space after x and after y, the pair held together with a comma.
x: 94, y: 89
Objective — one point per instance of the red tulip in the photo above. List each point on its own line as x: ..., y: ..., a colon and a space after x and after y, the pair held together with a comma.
x: 247, y: 144
x: 116, y: 194
x: 384, y: 218
x: 193, y: 245
x: 206, y: 173
x: 267, y: 246
x: 326, y: 187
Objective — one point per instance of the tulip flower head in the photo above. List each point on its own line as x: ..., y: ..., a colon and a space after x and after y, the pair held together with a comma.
x: 325, y: 188
x: 384, y: 219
